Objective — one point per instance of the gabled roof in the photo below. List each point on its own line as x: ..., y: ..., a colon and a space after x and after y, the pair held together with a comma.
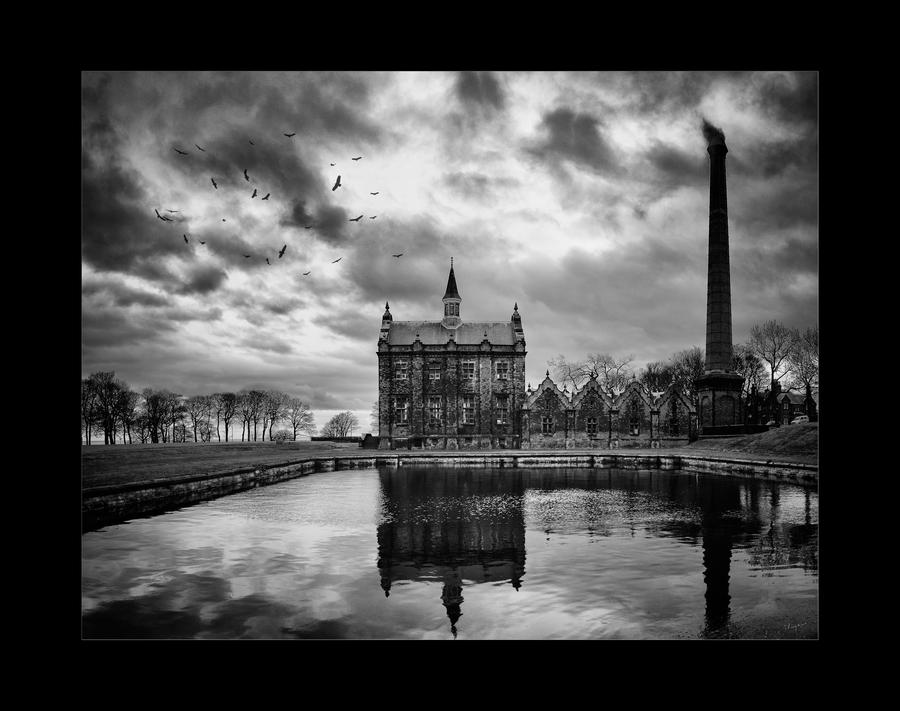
x: 592, y: 385
x: 547, y: 385
x: 403, y: 333
x: 635, y: 386
x: 674, y: 392
x: 795, y: 398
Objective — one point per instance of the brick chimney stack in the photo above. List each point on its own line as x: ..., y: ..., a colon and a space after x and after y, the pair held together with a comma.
x: 718, y: 284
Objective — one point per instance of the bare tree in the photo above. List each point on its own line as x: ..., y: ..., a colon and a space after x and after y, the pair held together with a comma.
x: 127, y: 410
x: 611, y: 372
x: 155, y: 412
x: 773, y: 343
x: 226, y: 404
x: 803, y: 360
x: 274, y: 406
x: 748, y: 365
x: 687, y: 366
x: 300, y: 417
x: 197, y: 407
x: 656, y: 376
x: 247, y: 405
x: 106, y: 389
x: 88, y: 407
x: 340, y: 425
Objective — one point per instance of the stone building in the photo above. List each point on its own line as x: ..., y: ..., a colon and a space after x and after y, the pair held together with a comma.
x: 593, y: 419
x: 450, y: 384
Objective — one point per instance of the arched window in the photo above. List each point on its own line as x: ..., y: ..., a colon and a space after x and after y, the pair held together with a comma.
x: 635, y: 416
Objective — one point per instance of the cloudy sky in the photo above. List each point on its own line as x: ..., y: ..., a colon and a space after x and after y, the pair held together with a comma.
x: 583, y: 197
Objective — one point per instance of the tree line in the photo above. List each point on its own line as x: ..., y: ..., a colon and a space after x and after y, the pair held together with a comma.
x: 773, y: 353
x: 108, y: 405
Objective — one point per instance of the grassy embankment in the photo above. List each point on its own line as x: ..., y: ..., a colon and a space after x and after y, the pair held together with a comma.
x: 123, y: 464
x: 790, y: 442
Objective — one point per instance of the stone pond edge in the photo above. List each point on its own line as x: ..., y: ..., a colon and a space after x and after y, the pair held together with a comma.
x: 103, y: 505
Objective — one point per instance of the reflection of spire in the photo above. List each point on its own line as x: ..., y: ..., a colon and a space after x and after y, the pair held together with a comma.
x: 386, y: 585
x: 451, y: 597
x: 718, y: 531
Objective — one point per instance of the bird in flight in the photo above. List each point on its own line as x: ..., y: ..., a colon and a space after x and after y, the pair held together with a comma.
x: 201, y: 242
x: 373, y: 217
x: 397, y: 255
x: 185, y: 239
x: 291, y: 135
x: 246, y: 177
x: 254, y: 193
x: 215, y: 184
x: 252, y: 143
x: 246, y: 256
x: 337, y: 260
x: 373, y: 193
x: 161, y: 217
x: 331, y: 164
x: 268, y: 262
x: 200, y: 149
x: 357, y: 158
x: 337, y: 184
x: 309, y: 227
x: 223, y: 219
x: 281, y: 253
x: 267, y: 196
x: 184, y: 153
x: 173, y: 210
x: 306, y: 273
x: 355, y: 219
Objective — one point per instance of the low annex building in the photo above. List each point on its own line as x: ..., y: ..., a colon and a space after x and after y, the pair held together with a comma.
x: 450, y: 384
x: 593, y: 419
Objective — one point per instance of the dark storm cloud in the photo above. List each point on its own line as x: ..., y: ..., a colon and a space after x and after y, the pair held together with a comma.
x: 780, y: 206
x: 480, y: 89
x: 776, y: 263
x: 352, y: 323
x: 578, y: 137
x: 297, y: 216
x: 203, y: 280
x: 331, y: 225
x: 123, y: 295
x: 111, y: 327
x: 477, y: 186
x: 674, y: 168
x: 773, y: 158
x: 792, y: 98
x: 119, y: 226
x: 267, y: 343
x: 665, y: 92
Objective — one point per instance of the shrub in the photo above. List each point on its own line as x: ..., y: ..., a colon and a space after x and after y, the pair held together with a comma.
x: 282, y: 436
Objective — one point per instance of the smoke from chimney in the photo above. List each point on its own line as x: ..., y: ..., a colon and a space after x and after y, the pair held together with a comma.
x: 712, y: 134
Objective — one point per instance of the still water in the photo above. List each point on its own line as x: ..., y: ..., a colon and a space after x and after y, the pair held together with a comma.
x: 441, y: 553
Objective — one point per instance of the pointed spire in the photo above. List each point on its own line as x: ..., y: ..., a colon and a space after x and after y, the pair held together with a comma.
x: 548, y: 372
x: 452, y: 292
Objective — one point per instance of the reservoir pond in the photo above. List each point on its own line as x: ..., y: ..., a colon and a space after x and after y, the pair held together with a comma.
x: 466, y: 553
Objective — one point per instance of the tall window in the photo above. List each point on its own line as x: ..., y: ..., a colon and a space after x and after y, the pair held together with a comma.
x: 673, y: 418
x: 502, y: 370
x: 592, y: 425
x: 502, y: 407
x: 401, y: 369
x: 401, y: 410
x: 547, y: 424
x: 468, y: 410
x: 434, y: 411
x: 635, y: 416
x: 434, y: 371
x: 468, y: 370
x: 451, y: 309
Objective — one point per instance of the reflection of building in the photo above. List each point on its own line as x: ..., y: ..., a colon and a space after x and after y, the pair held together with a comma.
x: 433, y: 533
x: 450, y: 384
x: 592, y: 418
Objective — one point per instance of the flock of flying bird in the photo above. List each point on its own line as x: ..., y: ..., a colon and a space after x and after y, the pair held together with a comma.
x: 281, y: 252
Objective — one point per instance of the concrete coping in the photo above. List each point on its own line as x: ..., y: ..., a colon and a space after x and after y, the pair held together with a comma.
x: 457, y: 454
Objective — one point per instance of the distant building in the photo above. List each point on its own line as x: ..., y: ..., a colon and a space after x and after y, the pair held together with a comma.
x: 593, y: 419
x: 450, y: 384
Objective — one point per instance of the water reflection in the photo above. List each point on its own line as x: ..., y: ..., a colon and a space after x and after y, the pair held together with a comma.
x: 441, y: 553
x: 452, y: 526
